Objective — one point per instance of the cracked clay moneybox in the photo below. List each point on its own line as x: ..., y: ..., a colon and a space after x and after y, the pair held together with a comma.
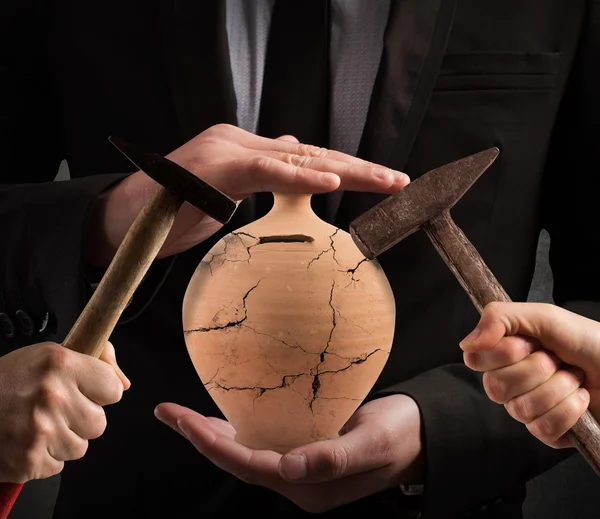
x: 288, y: 326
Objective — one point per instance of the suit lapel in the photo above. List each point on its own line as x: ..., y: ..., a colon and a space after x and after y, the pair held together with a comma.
x: 414, y: 44
x: 196, y: 54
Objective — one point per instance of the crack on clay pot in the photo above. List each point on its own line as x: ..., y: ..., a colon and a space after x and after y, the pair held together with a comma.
x: 261, y: 390
x: 242, y: 233
x: 316, y: 383
x: 315, y: 373
x: 228, y: 240
x: 290, y: 238
x: 296, y: 346
x: 352, y: 272
x: 287, y: 379
x: 330, y: 248
x: 230, y: 324
x: 349, y: 323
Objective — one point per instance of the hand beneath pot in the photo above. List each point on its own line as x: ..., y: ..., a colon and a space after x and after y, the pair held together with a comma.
x: 379, y: 448
x: 238, y: 163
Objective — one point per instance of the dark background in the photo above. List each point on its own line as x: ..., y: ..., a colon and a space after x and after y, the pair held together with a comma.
x: 568, y: 491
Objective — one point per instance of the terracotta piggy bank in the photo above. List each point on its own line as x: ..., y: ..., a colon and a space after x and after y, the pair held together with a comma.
x: 288, y: 326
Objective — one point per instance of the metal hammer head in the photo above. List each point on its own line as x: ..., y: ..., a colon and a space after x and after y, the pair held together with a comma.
x: 189, y: 187
x: 405, y: 212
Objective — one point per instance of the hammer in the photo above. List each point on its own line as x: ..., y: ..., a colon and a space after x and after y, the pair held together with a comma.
x: 425, y: 204
x: 134, y: 256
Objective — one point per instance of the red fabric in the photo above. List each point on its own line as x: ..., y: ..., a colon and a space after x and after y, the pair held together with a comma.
x: 8, y: 495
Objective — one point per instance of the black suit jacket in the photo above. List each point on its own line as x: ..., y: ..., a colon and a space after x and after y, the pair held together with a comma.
x: 456, y: 77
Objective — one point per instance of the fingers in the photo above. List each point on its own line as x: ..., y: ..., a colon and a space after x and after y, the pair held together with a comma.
x: 354, y: 175
x: 504, y: 384
x: 108, y: 355
x: 552, y: 426
x: 297, y: 174
x: 287, y: 166
x: 509, y: 350
x: 384, y: 433
x: 97, y: 380
x: 66, y: 445
x: 530, y: 405
x: 268, y: 174
x: 215, y: 440
x: 58, y: 403
x: 84, y: 417
x: 169, y: 413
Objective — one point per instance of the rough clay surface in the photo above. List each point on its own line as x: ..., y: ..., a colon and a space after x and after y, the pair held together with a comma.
x: 288, y: 336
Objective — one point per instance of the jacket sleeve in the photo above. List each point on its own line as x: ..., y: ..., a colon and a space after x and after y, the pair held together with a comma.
x: 43, y: 284
x: 476, y: 454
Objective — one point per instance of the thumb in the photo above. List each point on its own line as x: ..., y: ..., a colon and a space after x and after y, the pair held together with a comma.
x: 108, y: 355
x: 355, y: 452
x: 572, y: 337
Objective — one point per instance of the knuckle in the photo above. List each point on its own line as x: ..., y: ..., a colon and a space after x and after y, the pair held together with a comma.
x: 544, y: 428
x: 56, y: 358
x: 208, y: 141
x: 575, y: 407
x: 567, y: 382
x: 50, y: 395
x: 309, y: 150
x: 221, y: 128
x: 520, y: 409
x: 41, y: 428
x: 334, y: 462
x: 493, y: 309
x: 495, y: 387
x: 300, y: 161
x: 261, y: 163
x: 515, y: 348
x: 546, y: 365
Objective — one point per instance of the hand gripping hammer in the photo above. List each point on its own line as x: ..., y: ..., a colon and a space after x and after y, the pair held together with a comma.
x: 133, y: 258
x: 425, y: 204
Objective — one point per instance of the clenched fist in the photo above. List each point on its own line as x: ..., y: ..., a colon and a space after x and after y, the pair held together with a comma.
x: 51, y: 402
x: 546, y: 389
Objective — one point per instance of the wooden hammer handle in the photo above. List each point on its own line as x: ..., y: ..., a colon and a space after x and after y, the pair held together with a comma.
x: 476, y: 278
x: 132, y: 260
x: 96, y: 323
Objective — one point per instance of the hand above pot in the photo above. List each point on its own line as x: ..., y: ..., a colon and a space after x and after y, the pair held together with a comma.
x: 238, y: 163
x: 379, y: 448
